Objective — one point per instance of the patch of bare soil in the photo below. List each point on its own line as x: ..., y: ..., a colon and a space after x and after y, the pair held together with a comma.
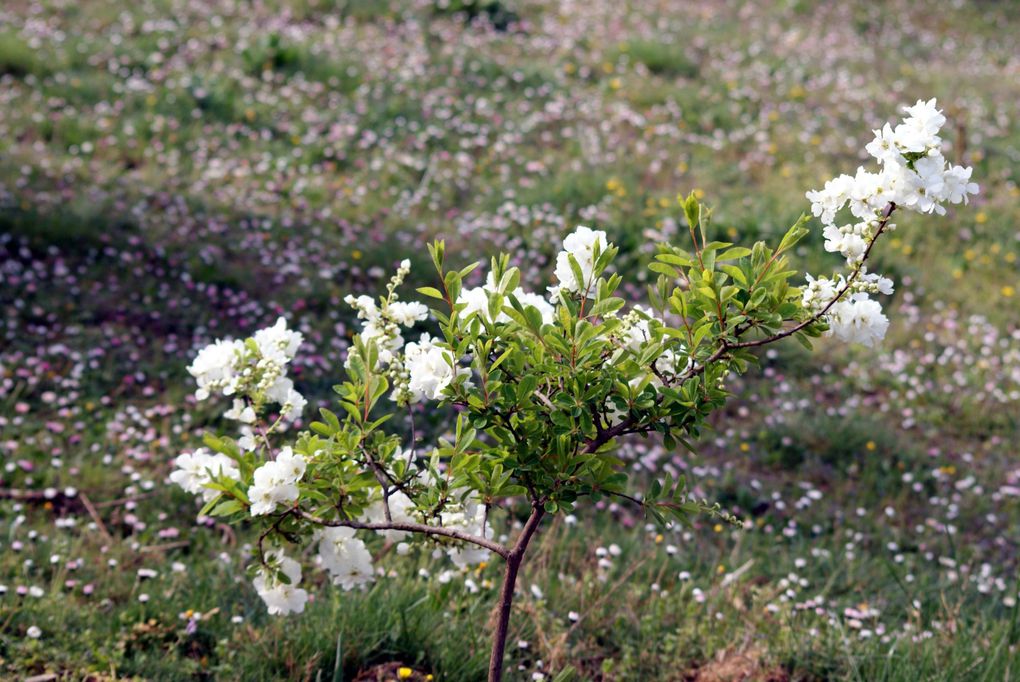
x: 738, y: 666
x: 391, y: 672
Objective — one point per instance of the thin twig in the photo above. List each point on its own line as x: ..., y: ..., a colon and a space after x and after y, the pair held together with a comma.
x: 87, y: 503
x: 409, y: 527
x: 886, y: 214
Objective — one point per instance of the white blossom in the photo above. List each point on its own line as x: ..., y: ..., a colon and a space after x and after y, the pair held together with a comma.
x: 581, y: 244
x: 430, y: 369
x: 915, y: 176
x: 196, y: 470
x: 281, y: 598
x: 858, y: 319
x: 215, y: 368
x: 278, y: 342
x: 469, y: 517
x: 275, y: 482
x: 958, y: 185
x: 345, y: 557
x: 399, y: 505
x: 407, y: 313
x: 241, y: 411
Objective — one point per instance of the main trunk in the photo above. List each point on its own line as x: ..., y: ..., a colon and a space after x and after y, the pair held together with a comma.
x: 506, y: 593
x: 506, y: 598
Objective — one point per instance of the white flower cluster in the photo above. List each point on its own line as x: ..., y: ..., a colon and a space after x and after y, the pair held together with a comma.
x: 275, y: 482
x: 400, y: 506
x: 469, y: 517
x: 582, y: 244
x: 382, y: 322
x: 196, y: 470
x: 914, y: 173
x: 430, y: 369
x: 914, y: 176
x: 254, y: 369
x: 345, y: 557
x: 217, y: 368
x: 636, y: 332
x: 476, y: 301
x: 424, y: 369
x: 382, y: 326
x: 281, y: 597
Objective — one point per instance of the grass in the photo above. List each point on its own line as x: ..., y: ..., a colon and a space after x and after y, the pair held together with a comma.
x: 167, y: 179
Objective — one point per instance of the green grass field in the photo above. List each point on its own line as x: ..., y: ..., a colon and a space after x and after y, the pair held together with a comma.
x: 172, y: 171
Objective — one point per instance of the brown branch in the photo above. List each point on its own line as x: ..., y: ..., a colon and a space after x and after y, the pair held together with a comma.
x: 886, y: 214
x: 409, y: 527
x: 514, y: 558
x: 725, y: 346
x: 87, y: 503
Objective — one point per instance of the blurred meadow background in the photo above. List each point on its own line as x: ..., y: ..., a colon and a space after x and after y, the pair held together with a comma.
x: 172, y: 171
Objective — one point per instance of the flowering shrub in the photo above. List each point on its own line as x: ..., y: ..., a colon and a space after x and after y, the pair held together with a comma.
x: 544, y: 385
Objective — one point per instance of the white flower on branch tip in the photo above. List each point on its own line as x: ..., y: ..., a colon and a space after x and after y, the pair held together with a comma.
x: 277, y: 342
x: 280, y: 597
x: 858, y: 319
x: 196, y: 470
x: 292, y: 403
x: 345, y: 557
x: 365, y: 305
x: 916, y: 177
x: 925, y: 118
x: 275, y: 482
x: 431, y: 369
x: 241, y: 411
x: 215, y: 368
x: 382, y: 322
x: 581, y: 244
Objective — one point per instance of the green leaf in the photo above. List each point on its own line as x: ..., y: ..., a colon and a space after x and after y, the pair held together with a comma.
x: 431, y: 291
x: 796, y: 232
x: 575, y: 267
x: 321, y: 429
x: 734, y: 253
x: 568, y: 674
x: 736, y: 273
x: 681, y: 260
x: 692, y: 210
x: 664, y: 269
x: 330, y: 418
x: 226, y: 508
